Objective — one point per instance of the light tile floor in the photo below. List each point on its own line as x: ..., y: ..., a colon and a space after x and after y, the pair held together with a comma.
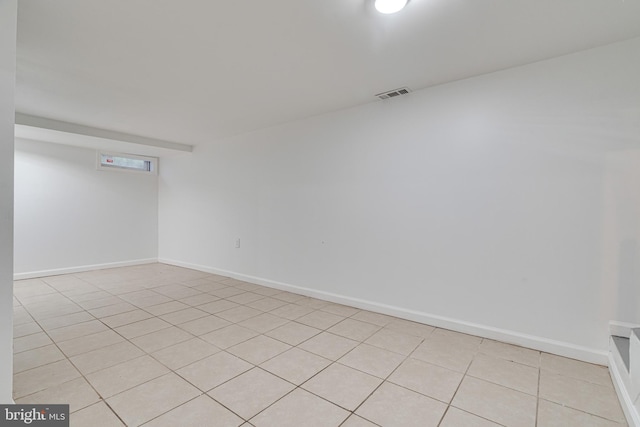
x: 158, y: 345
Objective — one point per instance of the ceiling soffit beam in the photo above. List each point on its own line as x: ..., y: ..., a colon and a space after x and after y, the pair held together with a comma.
x: 56, y: 125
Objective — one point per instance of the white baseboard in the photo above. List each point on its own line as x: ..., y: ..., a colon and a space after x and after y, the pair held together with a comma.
x: 79, y: 269
x: 512, y: 337
x: 630, y: 412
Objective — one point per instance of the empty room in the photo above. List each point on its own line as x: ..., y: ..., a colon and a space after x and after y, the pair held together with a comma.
x: 340, y: 213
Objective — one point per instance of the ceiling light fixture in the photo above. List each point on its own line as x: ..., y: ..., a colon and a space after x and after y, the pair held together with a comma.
x: 390, y: 6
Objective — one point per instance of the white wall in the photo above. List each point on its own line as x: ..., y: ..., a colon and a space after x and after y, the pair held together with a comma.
x: 68, y: 215
x: 8, y: 15
x: 480, y: 201
x: 622, y: 232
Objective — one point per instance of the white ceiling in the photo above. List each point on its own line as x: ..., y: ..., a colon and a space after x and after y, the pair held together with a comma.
x: 193, y: 71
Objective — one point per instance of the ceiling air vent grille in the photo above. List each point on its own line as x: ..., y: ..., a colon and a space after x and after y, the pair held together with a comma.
x: 393, y: 93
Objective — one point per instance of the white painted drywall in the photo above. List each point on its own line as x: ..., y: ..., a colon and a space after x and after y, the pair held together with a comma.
x: 480, y: 200
x: 8, y: 17
x: 69, y: 215
x: 622, y: 232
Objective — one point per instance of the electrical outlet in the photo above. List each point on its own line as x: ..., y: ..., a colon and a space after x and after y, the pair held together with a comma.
x: 238, y: 242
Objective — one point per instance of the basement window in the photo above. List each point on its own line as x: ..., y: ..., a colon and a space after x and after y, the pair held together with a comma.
x: 127, y: 162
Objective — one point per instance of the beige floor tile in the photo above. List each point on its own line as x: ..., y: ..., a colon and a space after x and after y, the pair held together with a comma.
x: 431, y: 380
x: 263, y: 322
x: 339, y: 309
x: 66, y: 320
x: 29, y: 342
x: 210, y: 287
x: 585, y: 396
x: 207, y: 284
x: 460, y: 339
x: 100, y: 302
x: 293, y: 333
x: 374, y: 318
x: 37, y: 357
x: 493, y: 393
x: 503, y: 372
x: 229, y: 336
x: 23, y: 291
x: 165, y: 308
x: 314, y: 303
x: 245, y: 298
x: 510, y: 352
x: 85, y: 293
x: 160, y: 339
x: 553, y: 415
x: 496, y: 403
x: 320, y: 319
x: 76, y: 331
x: 372, y: 360
x: 137, y: 295
x: 354, y: 329
x: 146, y: 401
x: 447, y: 355
x: 112, y: 310
x: 344, y: 386
x: 246, y: 286
x: 183, y: 316
x: 105, y: 357
x: 142, y: 327
x: 394, y: 341
x: 457, y: 418
x: 301, y: 408
x: 26, y: 329
x: 356, y: 421
x: 266, y: 291
x: 199, y: 412
x: 76, y: 393
x: 296, y: 365
x: 238, y: 314
x: 184, y: 353
x: 144, y: 298
x: 43, y: 377
x: 214, y: 370
x: 259, y: 349
x: 150, y: 300
x: 292, y: 311
x: 576, y: 369
x: 43, y: 305
x: 64, y: 282
x: 89, y: 343
x: 126, y: 318
x: 251, y: 392
x: 393, y: 406
x: 20, y: 316
x: 177, y: 291
x: 98, y: 415
x: 121, y: 377
x: 227, y: 292
x: 196, y: 300
x: 267, y: 304
x: 329, y: 346
x: 410, y: 328
x: 288, y: 296
x: 204, y: 325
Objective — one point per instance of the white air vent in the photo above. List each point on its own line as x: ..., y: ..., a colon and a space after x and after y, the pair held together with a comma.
x: 394, y: 93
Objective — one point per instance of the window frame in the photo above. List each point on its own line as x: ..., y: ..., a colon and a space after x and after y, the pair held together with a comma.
x: 101, y: 167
